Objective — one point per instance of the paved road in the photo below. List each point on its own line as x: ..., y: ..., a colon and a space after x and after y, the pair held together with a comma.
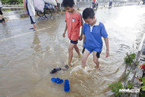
x: 27, y: 57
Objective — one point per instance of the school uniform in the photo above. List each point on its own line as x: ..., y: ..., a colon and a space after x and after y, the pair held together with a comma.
x: 30, y: 10
x: 74, y: 22
x: 94, y: 34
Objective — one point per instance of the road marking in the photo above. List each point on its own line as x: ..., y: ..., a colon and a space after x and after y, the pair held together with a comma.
x: 14, y: 36
x: 19, y: 35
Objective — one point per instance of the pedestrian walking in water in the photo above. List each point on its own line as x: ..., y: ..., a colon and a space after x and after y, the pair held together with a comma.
x: 30, y: 11
x: 95, y: 4
x: 73, y: 23
x: 93, y: 30
x: 139, y: 2
x: 110, y: 3
x: 1, y: 13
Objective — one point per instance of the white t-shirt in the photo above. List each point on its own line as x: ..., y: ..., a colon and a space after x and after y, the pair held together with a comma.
x: 30, y: 6
x: 1, y: 4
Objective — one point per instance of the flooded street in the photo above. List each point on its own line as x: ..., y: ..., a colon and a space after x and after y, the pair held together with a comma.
x: 27, y: 57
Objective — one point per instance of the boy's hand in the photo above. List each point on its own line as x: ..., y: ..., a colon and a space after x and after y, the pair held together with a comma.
x: 26, y: 13
x: 107, y: 53
x: 56, y: 7
x: 80, y: 38
x: 63, y: 34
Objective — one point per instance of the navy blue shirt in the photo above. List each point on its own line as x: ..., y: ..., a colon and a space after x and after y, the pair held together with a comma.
x: 93, y: 35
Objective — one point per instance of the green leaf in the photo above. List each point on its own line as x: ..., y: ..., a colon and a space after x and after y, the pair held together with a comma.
x: 143, y: 88
x: 129, y: 58
x: 115, y: 88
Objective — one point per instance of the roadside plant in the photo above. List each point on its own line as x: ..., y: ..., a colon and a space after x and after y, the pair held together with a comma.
x: 140, y: 79
x: 125, y: 77
x: 142, y: 66
x: 130, y: 85
x: 143, y: 87
x: 115, y: 88
x: 129, y: 58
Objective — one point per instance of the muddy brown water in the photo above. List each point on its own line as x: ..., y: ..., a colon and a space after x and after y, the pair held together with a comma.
x: 27, y: 57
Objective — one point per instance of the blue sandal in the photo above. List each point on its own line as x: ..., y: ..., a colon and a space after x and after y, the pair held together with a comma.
x: 57, y: 80
x: 66, y: 86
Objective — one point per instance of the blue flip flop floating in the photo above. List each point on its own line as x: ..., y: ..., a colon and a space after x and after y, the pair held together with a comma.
x: 57, y: 80
x: 66, y: 86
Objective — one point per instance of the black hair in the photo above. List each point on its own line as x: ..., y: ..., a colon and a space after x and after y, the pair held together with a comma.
x: 88, y: 13
x: 69, y: 3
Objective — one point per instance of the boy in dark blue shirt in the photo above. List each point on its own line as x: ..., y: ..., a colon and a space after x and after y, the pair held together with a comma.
x: 92, y: 41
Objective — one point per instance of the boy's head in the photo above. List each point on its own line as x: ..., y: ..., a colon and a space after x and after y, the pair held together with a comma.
x: 68, y: 5
x: 89, y: 16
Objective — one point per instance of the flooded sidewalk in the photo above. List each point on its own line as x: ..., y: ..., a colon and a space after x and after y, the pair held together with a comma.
x: 27, y: 57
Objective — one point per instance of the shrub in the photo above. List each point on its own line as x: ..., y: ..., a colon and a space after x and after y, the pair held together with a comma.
x: 129, y: 58
x: 115, y: 88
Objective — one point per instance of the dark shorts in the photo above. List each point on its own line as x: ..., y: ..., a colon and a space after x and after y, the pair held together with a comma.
x: 73, y: 42
x: 110, y: 3
x: 1, y: 21
x: 98, y: 53
x: 1, y: 13
x: 32, y: 19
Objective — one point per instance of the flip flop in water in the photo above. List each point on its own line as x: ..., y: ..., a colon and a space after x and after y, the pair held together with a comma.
x: 55, y: 70
x: 32, y: 29
x: 57, y: 80
x: 65, y: 67
x: 66, y: 86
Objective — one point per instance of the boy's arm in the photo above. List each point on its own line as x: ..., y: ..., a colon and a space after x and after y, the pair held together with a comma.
x: 66, y: 23
x: 84, y: 38
x: 107, y: 46
x: 80, y: 38
x: 82, y: 30
x: 24, y: 3
x: 65, y: 30
x: 82, y: 24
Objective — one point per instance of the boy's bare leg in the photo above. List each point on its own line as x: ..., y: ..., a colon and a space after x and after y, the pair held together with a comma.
x: 85, y: 57
x: 77, y: 50
x: 70, y: 50
x: 95, y: 59
x: 3, y: 18
x: 34, y: 27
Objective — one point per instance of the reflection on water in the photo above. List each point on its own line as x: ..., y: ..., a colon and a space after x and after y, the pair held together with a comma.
x: 13, y: 15
x: 18, y: 14
x: 36, y: 41
x: 27, y: 60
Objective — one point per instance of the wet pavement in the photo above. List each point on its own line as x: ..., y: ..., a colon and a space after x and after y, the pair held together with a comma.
x: 27, y: 57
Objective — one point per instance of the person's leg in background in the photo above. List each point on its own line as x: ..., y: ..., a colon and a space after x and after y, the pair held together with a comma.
x: 1, y: 18
x: 1, y: 13
x: 32, y: 18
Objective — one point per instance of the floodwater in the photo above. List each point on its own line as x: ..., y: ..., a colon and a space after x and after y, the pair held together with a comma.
x: 27, y: 57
